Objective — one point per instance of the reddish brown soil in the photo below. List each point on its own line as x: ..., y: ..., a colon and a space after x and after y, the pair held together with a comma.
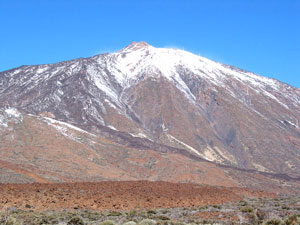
x: 125, y: 195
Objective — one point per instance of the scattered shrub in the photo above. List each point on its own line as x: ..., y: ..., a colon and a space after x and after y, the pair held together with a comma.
x: 274, y: 222
x: 163, y: 217
x: 148, y: 222
x: 91, y: 215
x: 253, y: 218
x: 176, y: 223
x: 293, y: 220
x: 50, y: 219
x: 10, y: 221
x: 217, y: 206
x: 43, y: 220
x: 165, y: 211
x: 75, y: 221
x: 203, y: 207
x: 28, y: 206
x: 132, y: 213
x: 260, y: 214
x: 114, y: 214
x: 143, y: 215
x: 243, y: 203
x: 206, y: 222
x: 151, y: 212
x: 130, y: 223
x: 247, y: 209
x: 107, y: 222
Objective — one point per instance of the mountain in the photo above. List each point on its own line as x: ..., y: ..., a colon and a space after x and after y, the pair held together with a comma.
x: 42, y: 149
x: 155, y: 99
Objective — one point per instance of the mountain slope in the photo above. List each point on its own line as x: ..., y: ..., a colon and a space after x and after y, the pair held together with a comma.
x: 42, y: 149
x: 170, y: 97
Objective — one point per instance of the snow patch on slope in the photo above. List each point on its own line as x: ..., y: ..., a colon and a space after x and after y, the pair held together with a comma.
x: 110, y: 104
x: 2, y: 121
x: 9, y: 114
x: 218, y: 156
x: 64, y: 128
x: 208, y: 154
x: 140, y: 135
x: 112, y: 127
x: 101, y: 82
x: 13, y: 112
x: 42, y: 69
x: 173, y: 139
x: 260, y: 167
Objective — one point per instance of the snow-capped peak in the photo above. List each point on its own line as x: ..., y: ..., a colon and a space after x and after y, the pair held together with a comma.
x: 140, y: 60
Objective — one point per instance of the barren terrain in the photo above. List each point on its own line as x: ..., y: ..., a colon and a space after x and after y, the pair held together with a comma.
x: 125, y: 195
x: 143, y: 203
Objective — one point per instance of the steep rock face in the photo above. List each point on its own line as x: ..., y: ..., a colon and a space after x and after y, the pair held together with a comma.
x: 171, y: 97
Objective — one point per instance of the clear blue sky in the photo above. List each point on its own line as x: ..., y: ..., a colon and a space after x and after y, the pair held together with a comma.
x: 262, y: 36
